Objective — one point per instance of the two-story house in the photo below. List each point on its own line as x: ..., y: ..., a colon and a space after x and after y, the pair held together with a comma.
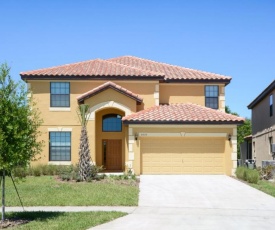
x: 151, y: 117
x: 263, y: 125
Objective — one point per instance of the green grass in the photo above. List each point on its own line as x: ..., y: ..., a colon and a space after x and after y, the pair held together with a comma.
x: 265, y: 186
x: 63, y: 220
x: 47, y: 191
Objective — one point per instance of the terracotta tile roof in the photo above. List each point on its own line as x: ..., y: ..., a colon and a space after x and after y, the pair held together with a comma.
x: 126, y: 68
x: 93, y: 68
x: 171, y: 72
x: 182, y: 114
x: 106, y: 86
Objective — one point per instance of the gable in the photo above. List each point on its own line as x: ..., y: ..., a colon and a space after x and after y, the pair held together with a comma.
x: 109, y: 85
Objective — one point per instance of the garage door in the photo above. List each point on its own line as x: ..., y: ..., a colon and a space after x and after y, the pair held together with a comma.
x: 182, y: 156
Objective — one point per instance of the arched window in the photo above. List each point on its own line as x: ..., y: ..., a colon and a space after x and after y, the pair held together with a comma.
x: 111, y: 123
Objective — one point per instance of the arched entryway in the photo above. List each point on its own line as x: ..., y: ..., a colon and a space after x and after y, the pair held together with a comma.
x: 110, y: 139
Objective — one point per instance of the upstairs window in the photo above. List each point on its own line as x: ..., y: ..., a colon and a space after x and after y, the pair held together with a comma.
x: 111, y: 123
x: 60, y: 94
x: 271, y: 105
x: 60, y: 146
x: 212, y: 96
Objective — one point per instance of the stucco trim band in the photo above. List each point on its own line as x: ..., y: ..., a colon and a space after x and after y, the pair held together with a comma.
x: 108, y: 104
x: 182, y: 134
x: 59, y: 109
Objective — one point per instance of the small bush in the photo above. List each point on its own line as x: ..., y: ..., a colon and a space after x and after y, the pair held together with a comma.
x: 44, y: 169
x: 65, y: 177
x: 20, y: 172
x: 241, y: 173
x: 249, y: 175
x: 95, y: 170
x: 37, y: 171
x: 52, y: 170
x: 252, y: 176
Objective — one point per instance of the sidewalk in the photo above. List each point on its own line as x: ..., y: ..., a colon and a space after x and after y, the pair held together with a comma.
x: 125, y: 209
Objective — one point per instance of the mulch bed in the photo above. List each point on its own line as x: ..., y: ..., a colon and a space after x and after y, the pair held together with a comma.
x: 8, y: 223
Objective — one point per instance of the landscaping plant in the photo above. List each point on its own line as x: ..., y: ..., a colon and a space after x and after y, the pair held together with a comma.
x: 19, y: 127
x: 249, y: 175
x: 84, y: 150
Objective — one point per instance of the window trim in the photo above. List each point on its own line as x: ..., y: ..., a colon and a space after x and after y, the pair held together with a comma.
x: 270, y: 141
x: 109, y: 115
x: 51, y: 106
x: 271, y: 105
x: 50, y: 160
x: 218, y: 92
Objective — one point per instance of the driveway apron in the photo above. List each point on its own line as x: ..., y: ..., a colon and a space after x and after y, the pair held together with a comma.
x: 197, y: 202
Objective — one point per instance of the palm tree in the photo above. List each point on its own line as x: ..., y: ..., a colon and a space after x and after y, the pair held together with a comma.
x: 84, y: 149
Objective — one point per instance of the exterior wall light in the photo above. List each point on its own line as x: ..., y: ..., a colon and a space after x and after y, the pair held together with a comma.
x: 229, y: 137
x: 136, y: 136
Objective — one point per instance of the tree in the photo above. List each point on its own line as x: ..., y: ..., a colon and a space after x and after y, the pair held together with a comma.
x: 242, y: 131
x: 19, y: 127
x: 84, y: 150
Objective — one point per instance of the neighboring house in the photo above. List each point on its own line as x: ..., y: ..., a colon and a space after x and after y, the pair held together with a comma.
x: 147, y: 116
x: 263, y: 125
x: 246, y: 150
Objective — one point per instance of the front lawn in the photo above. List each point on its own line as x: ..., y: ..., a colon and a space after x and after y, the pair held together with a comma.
x: 265, y: 186
x: 48, y: 191
x: 61, y: 220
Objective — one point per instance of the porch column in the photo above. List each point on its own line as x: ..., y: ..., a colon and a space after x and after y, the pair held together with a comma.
x: 131, y: 155
x: 234, y: 150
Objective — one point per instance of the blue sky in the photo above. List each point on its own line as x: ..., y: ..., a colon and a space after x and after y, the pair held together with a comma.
x: 235, y: 38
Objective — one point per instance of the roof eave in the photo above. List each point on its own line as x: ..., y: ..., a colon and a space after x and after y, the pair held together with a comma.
x: 262, y: 95
x: 64, y: 77
x: 82, y: 99
x: 184, y: 122
x: 224, y: 81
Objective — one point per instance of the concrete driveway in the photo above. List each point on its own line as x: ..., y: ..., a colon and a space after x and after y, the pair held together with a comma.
x: 197, y: 202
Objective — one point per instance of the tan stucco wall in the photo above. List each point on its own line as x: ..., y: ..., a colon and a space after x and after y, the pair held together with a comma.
x: 150, y: 91
x: 112, y: 95
x: 61, y: 120
x: 184, y: 93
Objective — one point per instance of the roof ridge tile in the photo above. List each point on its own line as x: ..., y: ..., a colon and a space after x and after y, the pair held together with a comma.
x: 164, y: 63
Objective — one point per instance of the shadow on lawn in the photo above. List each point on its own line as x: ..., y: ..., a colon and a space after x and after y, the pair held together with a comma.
x: 33, y: 216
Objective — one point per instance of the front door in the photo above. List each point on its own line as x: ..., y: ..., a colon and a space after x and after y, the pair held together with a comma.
x: 112, y: 154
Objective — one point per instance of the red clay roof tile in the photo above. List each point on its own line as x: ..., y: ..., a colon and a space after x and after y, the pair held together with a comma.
x: 108, y: 85
x: 181, y: 114
x: 93, y: 68
x: 126, y: 67
x: 171, y: 72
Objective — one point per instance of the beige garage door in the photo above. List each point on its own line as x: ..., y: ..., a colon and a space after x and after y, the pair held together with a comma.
x: 182, y: 156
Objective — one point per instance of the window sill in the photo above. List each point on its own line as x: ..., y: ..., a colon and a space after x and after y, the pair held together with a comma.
x: 59, y: 163
x: 60, y: 109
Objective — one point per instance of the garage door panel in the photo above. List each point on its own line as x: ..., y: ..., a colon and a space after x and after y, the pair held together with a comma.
x: 182, y: 156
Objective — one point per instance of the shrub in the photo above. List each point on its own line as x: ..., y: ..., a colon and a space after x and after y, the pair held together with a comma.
x: 249, y: 175
x: 252, y: 176
x: 65, y: 177
x: 44, y: 169
x: 37, y: 171
x: 95, y: 170
x: 20, y: 172
x: 241, y: 172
